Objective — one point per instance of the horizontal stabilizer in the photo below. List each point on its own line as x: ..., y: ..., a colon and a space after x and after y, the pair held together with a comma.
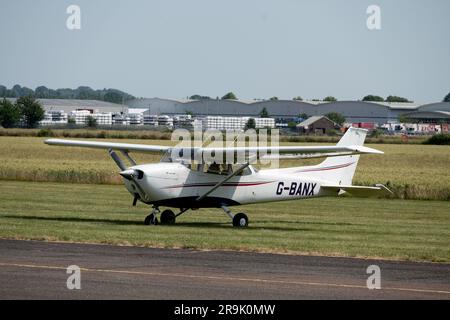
x: 378, y: 190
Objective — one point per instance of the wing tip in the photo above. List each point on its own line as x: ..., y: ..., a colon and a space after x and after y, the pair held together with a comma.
x: 366, y: 150
x: 51, y: 141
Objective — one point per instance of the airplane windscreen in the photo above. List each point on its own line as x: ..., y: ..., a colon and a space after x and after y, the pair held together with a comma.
x: 221, y: 169
x: 178, y: 157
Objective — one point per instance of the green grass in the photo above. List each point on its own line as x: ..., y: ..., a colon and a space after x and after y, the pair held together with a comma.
x: 391, y: 229
x: 411, y: 171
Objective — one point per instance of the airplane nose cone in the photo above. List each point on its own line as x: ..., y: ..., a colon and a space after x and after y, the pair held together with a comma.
x: 129, y: 174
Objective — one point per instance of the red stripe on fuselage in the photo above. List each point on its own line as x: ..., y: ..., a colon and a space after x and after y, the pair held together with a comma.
x: 327, y: 168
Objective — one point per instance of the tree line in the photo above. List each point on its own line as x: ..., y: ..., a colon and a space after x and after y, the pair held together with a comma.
x: 26, y: 111
x: 81, y: 93
x: 231, y: 96
x: 118, y: 96
x: 375, y: 98
x: 370, y: 97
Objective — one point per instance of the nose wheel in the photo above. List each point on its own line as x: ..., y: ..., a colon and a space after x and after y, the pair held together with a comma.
x: 167, y: 217
x: 152, y: 218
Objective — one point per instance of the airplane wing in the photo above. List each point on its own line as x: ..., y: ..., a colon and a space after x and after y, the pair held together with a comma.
x: 127, y: 147
x: 294, y: 152
x: 283, y: 152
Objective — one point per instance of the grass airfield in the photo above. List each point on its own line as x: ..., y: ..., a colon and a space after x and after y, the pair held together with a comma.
x: 75, y: 194
x: 377, y: 228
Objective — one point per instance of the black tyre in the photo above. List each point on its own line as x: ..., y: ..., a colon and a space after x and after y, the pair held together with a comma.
x: 151, y: 219
x: 167, y: 217
x: 240, y: 220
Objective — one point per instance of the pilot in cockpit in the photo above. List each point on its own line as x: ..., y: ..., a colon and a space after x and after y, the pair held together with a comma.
x: 214, y: 168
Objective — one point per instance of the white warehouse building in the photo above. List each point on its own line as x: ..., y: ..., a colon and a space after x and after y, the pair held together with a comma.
x: 353, y: 111
x: 235, y: 113
x: 54, y: 117
x: 234, y: 123
x: 81, y: 117
x: 135, y: 116
x: 104, y: 118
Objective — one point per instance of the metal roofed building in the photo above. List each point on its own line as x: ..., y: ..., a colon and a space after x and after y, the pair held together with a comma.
x: 287, y: 110
x: 431, y: 113
x: 235, y: 123
x: 317, y: 125
x: 68, y: 105
x: 353, y: 111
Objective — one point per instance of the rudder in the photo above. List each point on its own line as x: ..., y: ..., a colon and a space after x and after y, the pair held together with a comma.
x: 340, y: 170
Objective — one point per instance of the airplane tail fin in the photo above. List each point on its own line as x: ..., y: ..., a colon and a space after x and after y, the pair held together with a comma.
x: 340, y: 170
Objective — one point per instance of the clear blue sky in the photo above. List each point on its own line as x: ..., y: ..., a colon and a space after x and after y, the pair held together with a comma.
x: 255, y: 48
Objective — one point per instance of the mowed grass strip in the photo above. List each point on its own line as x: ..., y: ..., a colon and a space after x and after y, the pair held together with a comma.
x: 391, y: 229
x: 411, y: 171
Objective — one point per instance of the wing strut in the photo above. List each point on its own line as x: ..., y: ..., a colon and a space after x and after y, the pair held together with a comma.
x: 228, y: 177
x: 117, y: 160
x: 125, y: 153
x: 128, y: 174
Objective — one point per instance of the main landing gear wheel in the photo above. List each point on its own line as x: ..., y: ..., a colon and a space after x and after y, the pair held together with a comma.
x: 151, y: 219
x: 240, y: 220
x: 168, y: 217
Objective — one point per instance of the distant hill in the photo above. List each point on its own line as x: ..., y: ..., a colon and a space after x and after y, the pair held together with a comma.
x: 82, y: 93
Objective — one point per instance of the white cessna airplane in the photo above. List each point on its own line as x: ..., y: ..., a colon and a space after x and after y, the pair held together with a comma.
x: 183, y: 185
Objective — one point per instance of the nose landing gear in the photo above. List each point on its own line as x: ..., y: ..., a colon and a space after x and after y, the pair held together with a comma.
x: 167, y: 217
x: 152, y: 218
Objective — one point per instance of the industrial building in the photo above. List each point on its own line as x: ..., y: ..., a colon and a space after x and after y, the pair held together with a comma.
x: 353, y: 111
x: 58, y: 111
x: 135, y: 116
x: 81, y: 117
x: 431, y: 113
x: 232, y: 114
x: 235, y: 123
x: 68, y: 105
x: 53, y: 117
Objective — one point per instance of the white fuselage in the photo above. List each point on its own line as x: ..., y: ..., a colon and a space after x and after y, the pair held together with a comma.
x: 175, y: 185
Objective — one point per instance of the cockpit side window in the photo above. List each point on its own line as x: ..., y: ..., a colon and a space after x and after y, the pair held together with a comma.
x: 225, y: 169
x: 178, y: 155
x: 214, y: 168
